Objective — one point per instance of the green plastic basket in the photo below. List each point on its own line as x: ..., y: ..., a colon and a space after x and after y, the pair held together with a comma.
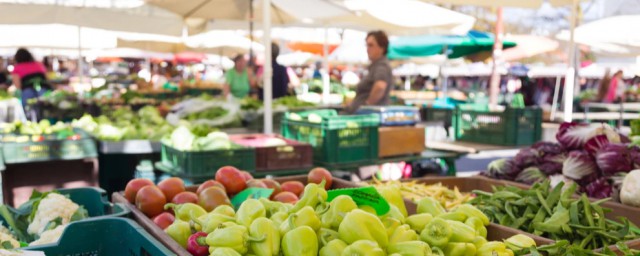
x: 104, y: 236
x: 205, y: 163
x: 512, y: 127
x: 48, y: 149
x: 336, y: 139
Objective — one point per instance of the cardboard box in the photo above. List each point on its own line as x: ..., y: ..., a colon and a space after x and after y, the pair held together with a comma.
x: 400, y: 140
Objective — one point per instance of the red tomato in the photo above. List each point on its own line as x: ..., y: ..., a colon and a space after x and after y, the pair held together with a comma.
x: 171, y: 187
x: 164, y: 220
x: 133, y: 186
x: 232, y: 179
x: 286, y: 197
x: 294, y: 187
x: 208, y: 184
x: 150, y: 200
x: 185, y: 197
x: 318, y: 174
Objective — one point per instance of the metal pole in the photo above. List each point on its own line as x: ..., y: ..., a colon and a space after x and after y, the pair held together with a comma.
x: 569, y: 82
x: 80, y: 55
x: 251, y: 32
x: 326, y: 79
x: 554, y: 104
x: 497, y: 52
x: 268, y: 71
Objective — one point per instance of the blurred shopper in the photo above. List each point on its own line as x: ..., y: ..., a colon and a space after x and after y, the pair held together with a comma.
x: 238, y: 79
x: 374, y: 88
x: 29, y: 76
x: 280, y: 78
x: 603, y: 88
x: 615, y: 89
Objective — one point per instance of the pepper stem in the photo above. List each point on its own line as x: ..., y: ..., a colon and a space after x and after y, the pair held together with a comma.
x: 325, y: 207
x: 202, y: 241
x: 170, y: 205
x: 292, y: 223
x: 253, y: 239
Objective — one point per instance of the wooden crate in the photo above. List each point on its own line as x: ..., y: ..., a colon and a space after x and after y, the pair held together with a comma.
x: 167, y: 241
x: 400, y: 140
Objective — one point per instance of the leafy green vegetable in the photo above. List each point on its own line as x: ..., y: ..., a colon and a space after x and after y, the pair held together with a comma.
x: 555, y: 214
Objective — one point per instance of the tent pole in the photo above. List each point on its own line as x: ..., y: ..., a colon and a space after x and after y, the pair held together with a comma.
x: 445, y: 81
x: 80, y: 55
x: 267, y: 67
x: 554, y: 104
x: 569, y: 82
x: 326, y: 79
x: 497, y: 52
x: 251, y: 33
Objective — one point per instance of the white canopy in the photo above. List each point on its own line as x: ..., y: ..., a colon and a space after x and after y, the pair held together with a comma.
x: 227, y: 43
x: 54, y: 36
x: 614, y: 36
x: 127, y: 20
x: 352, y: 50
x: 503, y: 3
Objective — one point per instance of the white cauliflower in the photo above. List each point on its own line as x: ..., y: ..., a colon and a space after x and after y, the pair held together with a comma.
x: 4, y: 252
x: 49, y: 236
x: 51, y: 207
x: 630, y: 192
x: 9, y: 238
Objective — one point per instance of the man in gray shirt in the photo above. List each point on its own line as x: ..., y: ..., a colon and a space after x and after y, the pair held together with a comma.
x: 374, y: 88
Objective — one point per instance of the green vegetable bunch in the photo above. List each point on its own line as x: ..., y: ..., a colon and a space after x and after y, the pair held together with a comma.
x: 124, y: 124
x: 209, y: 114
x: 554, y: 213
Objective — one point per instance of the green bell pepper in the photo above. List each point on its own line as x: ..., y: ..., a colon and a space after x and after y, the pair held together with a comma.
x: 494, y: 248
x: 472, y: 211
x: 460, y: 249
x: 394, y: 198
x: 461, y: 232
x: 395, y: 213
x: 477, y: 225
x: 211, y: 221
x: 431, y: 206
x: 223, y: 251
x: 180, y: 231
x: 338, y: 207
x: 305, y: 217
x: 233, y: 236
x: 187, y: 211
x: 326, y: 235
x: 403, y: 233
x: 333, y: 248
x: 312, y: 195
x: 437, y: 233
x: 410, y: 248
x: 265, y: 228
x: 417, y: 222
x: 360, y: 225
x: 363, y: 248
x: 301, y: 241
x: 391, y: 224
x: 279, y: 217
x: 225, y: 210
x: 249, y: 210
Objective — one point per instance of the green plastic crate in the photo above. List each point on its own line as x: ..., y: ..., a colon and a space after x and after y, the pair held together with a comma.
x: 104, y: 236
x: 635, y: 127
x: 511, y: 127
x: 200, y: 91
x: 205, y: 163
x: 95, y: 201
x: 336, y: 139
x: 48, y: 149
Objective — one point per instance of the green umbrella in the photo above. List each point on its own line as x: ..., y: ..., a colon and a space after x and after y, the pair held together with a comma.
x: 455, y: 46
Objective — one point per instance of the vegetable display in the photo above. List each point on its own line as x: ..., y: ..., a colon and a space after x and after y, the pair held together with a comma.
x: 41, y: 220
x: 313, y: 225
x: 554, y: 213
x: 291, y: 102
x: 415, y: 191
x: 184, y: 139
x: 125, y: 124
x: 590, y: 156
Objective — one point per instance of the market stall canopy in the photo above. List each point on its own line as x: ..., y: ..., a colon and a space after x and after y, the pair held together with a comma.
x: 127, y: 53
x: 55, y: 36
x: 313, y: 48
x: 528, y: 46
x: 614, y: 36
x: 297, y: 58
x: 226, y: 43
x: 283, y: 11
x: 452, y: 46
x: 402, y: 17
x: 471, y: 70
x: 352, y: 50
x: 503, y: 3
x: 126, y: 20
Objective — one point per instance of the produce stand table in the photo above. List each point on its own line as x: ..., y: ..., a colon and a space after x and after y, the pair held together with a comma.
x: 462, y: 147
x: 448, y: 157
x: 616, y: 111
x: 118, y: 160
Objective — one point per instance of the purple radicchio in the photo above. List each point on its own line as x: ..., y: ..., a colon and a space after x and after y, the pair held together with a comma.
x: 545, y: 147
x: 574, y: 135
x: 634, y: 155
x: 579, y: 165
x: 526, y: 157
x: 502, y: 169
x: 596, y: 143
x: 552, y: 164
x: 613, y: 158
x: 600, y: 188
x: 530, y: 175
